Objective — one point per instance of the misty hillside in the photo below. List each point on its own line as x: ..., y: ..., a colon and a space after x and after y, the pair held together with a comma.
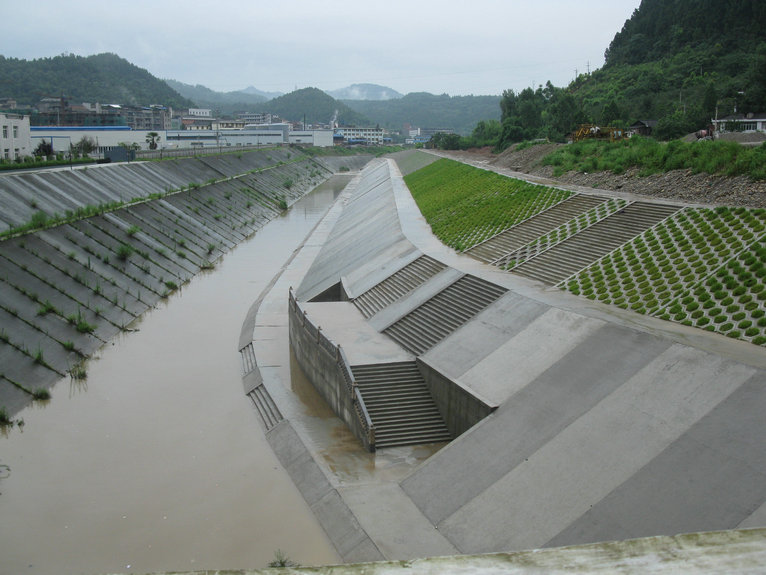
x: 104, y: 78
x: 223, y: 102
x: 681, y: 62
x: 420, y: 109
x: 365, y: 92
x: 316, y: 106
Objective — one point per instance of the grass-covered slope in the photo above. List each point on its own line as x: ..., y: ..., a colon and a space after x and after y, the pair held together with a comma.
x: 465, y: 205
x: 650, y: 156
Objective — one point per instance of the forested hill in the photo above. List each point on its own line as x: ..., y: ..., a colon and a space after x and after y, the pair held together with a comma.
x: 104, y: 78
x: 222, y: 102
x: 316, y: 106
x: 664, y: 27
x: 677, y: 62
x: 681, y: 61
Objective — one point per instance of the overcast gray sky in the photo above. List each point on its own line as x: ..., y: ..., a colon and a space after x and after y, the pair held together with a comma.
x: 438, y: 46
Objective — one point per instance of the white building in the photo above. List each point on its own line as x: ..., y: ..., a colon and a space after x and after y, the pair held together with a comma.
x: 106, y: 138
x: 353, y: 134
x: 258, y: 118
x: 15, y: 140
x: 319, y: 138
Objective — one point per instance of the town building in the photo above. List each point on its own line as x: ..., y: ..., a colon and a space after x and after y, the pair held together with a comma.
x: 642, y: 127
x: 15, y: 140
x: 107, y: 138
x: 60, y: 112
x: 741, y: 123
x: 350, y: 135
x: 259, y: 118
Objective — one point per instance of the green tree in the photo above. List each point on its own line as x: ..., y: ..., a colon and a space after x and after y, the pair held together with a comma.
x: 611, y: 113
x: 84, y: 146
x: 152, y: 138
x: 486, y: 133
x: 43, y: 149
x: 446, y: 141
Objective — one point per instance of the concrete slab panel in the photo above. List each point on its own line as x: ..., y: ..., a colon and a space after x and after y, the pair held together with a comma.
x: 344, y: 530
x: 537, y: 413
x: 512, y: 366
x: 362, y: 344
x: 370, y: 274
x: 755, y: 519
x: 414, y: 299
x: 367, y: 226
x: 712, y: 477
x: 597, y: 453
x: 480, y: 337
x: 390, y: 518
x: 12, y: 399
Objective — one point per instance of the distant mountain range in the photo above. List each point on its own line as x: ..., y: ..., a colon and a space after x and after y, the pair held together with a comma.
x: 109, y: 79
x: 365, y: 92
x: 224, y: 102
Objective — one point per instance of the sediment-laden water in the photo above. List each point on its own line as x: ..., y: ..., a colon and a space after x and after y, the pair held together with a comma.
x: 157, y: 460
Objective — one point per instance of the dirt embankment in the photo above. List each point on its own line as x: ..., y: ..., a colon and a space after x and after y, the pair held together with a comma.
x: 680, y: 185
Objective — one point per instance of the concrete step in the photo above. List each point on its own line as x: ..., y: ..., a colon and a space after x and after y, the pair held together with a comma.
x: 397, y: 285
x: 265, y: 406
x: 399, y: 404
x: 443, y: 314
x: 582, y: 249
x: 532, y: 228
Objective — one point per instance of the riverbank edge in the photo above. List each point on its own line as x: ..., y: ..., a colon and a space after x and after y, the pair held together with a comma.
x: 348, y: 537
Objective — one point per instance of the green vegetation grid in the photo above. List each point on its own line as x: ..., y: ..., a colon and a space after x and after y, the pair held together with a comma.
x: 701, y: 267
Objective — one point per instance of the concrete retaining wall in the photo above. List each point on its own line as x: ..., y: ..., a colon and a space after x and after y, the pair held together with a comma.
x: 319, y: 360
x: 460, y: 408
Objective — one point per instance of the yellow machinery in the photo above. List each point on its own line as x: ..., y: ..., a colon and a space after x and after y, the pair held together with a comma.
x: 591, y: 131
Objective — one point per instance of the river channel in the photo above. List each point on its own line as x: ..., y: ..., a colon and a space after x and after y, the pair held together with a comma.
x: 157, y: 461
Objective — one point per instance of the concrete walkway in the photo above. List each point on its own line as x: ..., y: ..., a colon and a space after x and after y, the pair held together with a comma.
x: 610, y: 424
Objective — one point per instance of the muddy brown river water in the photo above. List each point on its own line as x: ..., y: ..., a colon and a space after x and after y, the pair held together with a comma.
x: 157, y: 461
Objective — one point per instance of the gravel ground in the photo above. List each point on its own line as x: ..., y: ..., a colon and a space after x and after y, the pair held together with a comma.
x: 681, y: 185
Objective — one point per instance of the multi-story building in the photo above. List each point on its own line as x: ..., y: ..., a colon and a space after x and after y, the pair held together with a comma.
x: 199, y: 119
x: 354, y: 135
x: 259, y: 118
x: 15, y: 141
x: 153, y: 118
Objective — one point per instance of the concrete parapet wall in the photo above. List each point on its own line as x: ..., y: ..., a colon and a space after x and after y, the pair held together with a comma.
x: 460, y: 408
x: 319, y: 360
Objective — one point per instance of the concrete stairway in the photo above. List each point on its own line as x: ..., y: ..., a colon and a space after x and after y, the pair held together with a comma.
x: 400, y: 405
x: 265, y: 406
x: 428, y: 324
x: 510, y: 240
x: 397, y: 285
x: 594, y: 242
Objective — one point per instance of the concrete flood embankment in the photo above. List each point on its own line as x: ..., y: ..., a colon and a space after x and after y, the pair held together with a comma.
x: 604, y: 423
x: 68, y: 289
